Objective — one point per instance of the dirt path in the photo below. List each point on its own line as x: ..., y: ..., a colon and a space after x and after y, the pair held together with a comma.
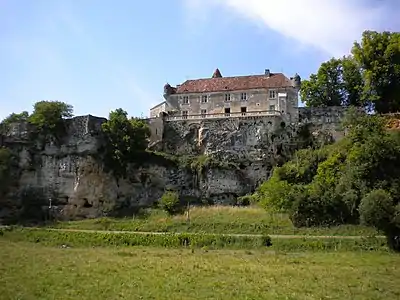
x: 274, y: 236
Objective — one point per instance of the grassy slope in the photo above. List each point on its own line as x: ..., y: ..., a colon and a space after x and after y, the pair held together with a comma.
x: 215, y: 219
x: 33, y: 271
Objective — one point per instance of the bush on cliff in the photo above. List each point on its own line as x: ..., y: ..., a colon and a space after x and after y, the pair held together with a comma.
x: 126, y: 140
x: 14, y: 118
x: 356, y: 178
x: 48, y: 115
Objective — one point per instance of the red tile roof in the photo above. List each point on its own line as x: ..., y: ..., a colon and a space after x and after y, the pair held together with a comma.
x: 275, y: 80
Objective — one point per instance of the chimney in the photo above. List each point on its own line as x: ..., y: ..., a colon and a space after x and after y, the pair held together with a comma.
x: 267, y: 72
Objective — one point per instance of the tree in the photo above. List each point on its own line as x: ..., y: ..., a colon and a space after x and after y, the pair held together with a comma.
x: 126, y: 139
x: 48, y: 115
x: 338, y: 82
x: 378, y: 56
x: 15, y: 118
x: 369, y: 77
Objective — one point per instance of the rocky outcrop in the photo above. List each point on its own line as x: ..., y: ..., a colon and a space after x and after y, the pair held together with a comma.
x: 66, y: 176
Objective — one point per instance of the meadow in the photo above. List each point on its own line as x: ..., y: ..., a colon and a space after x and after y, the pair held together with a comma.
x: 37, y: 271
x: 214, y: 219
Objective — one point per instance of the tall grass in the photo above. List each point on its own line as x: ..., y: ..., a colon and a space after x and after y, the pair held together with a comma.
x: 35, y: 271
x: 192, y: 240
x: 213, y: 219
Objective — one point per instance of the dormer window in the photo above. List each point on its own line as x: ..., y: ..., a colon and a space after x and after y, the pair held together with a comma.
x: 204, y: 98
x: 185, y: 100
x: 227, y: 97
x: 243, y: 96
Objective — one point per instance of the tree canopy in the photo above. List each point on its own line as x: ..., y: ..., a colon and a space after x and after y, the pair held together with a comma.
x: 48, y: 114
x: 369, y: 77
x: 126, y: 139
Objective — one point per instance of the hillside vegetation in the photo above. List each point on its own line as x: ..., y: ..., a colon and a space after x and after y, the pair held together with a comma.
x: 355, y: 180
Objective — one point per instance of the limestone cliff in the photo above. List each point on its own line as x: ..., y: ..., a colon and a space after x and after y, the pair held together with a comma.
x: 68, y: 174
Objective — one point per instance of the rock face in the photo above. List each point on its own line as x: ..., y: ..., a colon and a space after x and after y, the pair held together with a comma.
x: 67, y: 178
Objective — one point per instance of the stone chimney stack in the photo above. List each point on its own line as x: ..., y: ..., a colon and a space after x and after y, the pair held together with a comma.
x: 267, y: 72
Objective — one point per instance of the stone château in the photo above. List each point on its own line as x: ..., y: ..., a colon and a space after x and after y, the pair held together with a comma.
x: 243, y: 126
x: 238, y: 96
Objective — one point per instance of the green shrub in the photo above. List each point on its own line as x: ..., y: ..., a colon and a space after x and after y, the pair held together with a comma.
x: 170, y: 202
x: 377, y: 209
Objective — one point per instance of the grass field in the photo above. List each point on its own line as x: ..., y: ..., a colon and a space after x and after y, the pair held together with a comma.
x: 214, y: 219
x: 34, y: 271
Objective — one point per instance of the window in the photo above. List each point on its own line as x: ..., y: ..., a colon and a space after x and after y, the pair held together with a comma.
x: 272, y: 94
x: 204, y: 99
x: 272, y: 107
x: 227, y: 97
x: 184, y: 114
x: 227, y: 111
x: 243, y: 97
x: 243, y: 110
x: 185, y: 100
x: 203, y: 113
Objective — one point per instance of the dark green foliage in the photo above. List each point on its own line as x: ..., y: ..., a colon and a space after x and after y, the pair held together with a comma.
x: 378, y: 55
x: 126, y: 140
x: 337, y: 82
x: 170, y: 202
x: 325, y: 186
x: 368, y: 78
x: 377, y: 209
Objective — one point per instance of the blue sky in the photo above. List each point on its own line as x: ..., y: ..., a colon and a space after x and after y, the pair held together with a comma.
x: 101, y: 55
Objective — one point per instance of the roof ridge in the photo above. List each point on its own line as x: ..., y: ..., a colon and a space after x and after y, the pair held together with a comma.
x: 238, y: 76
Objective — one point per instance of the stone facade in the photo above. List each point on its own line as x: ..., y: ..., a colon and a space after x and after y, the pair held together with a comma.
x: 158, y: 109
x: 232, y: 95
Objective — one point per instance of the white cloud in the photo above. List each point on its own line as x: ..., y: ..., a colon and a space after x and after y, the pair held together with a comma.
x: 329, y: 25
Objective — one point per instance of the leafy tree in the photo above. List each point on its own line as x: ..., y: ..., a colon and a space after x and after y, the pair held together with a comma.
x: 369, y: 78
x: 378, y: 56
x: 48, y: 115
x: 126, y: 139
x: 338, y: 82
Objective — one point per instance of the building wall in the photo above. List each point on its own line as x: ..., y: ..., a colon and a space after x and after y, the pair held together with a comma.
x: 257, y: 100
x: 156, y: 110
x: 156, y: 126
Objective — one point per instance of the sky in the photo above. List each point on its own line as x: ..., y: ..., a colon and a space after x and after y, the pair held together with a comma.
x: 100, y: 55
